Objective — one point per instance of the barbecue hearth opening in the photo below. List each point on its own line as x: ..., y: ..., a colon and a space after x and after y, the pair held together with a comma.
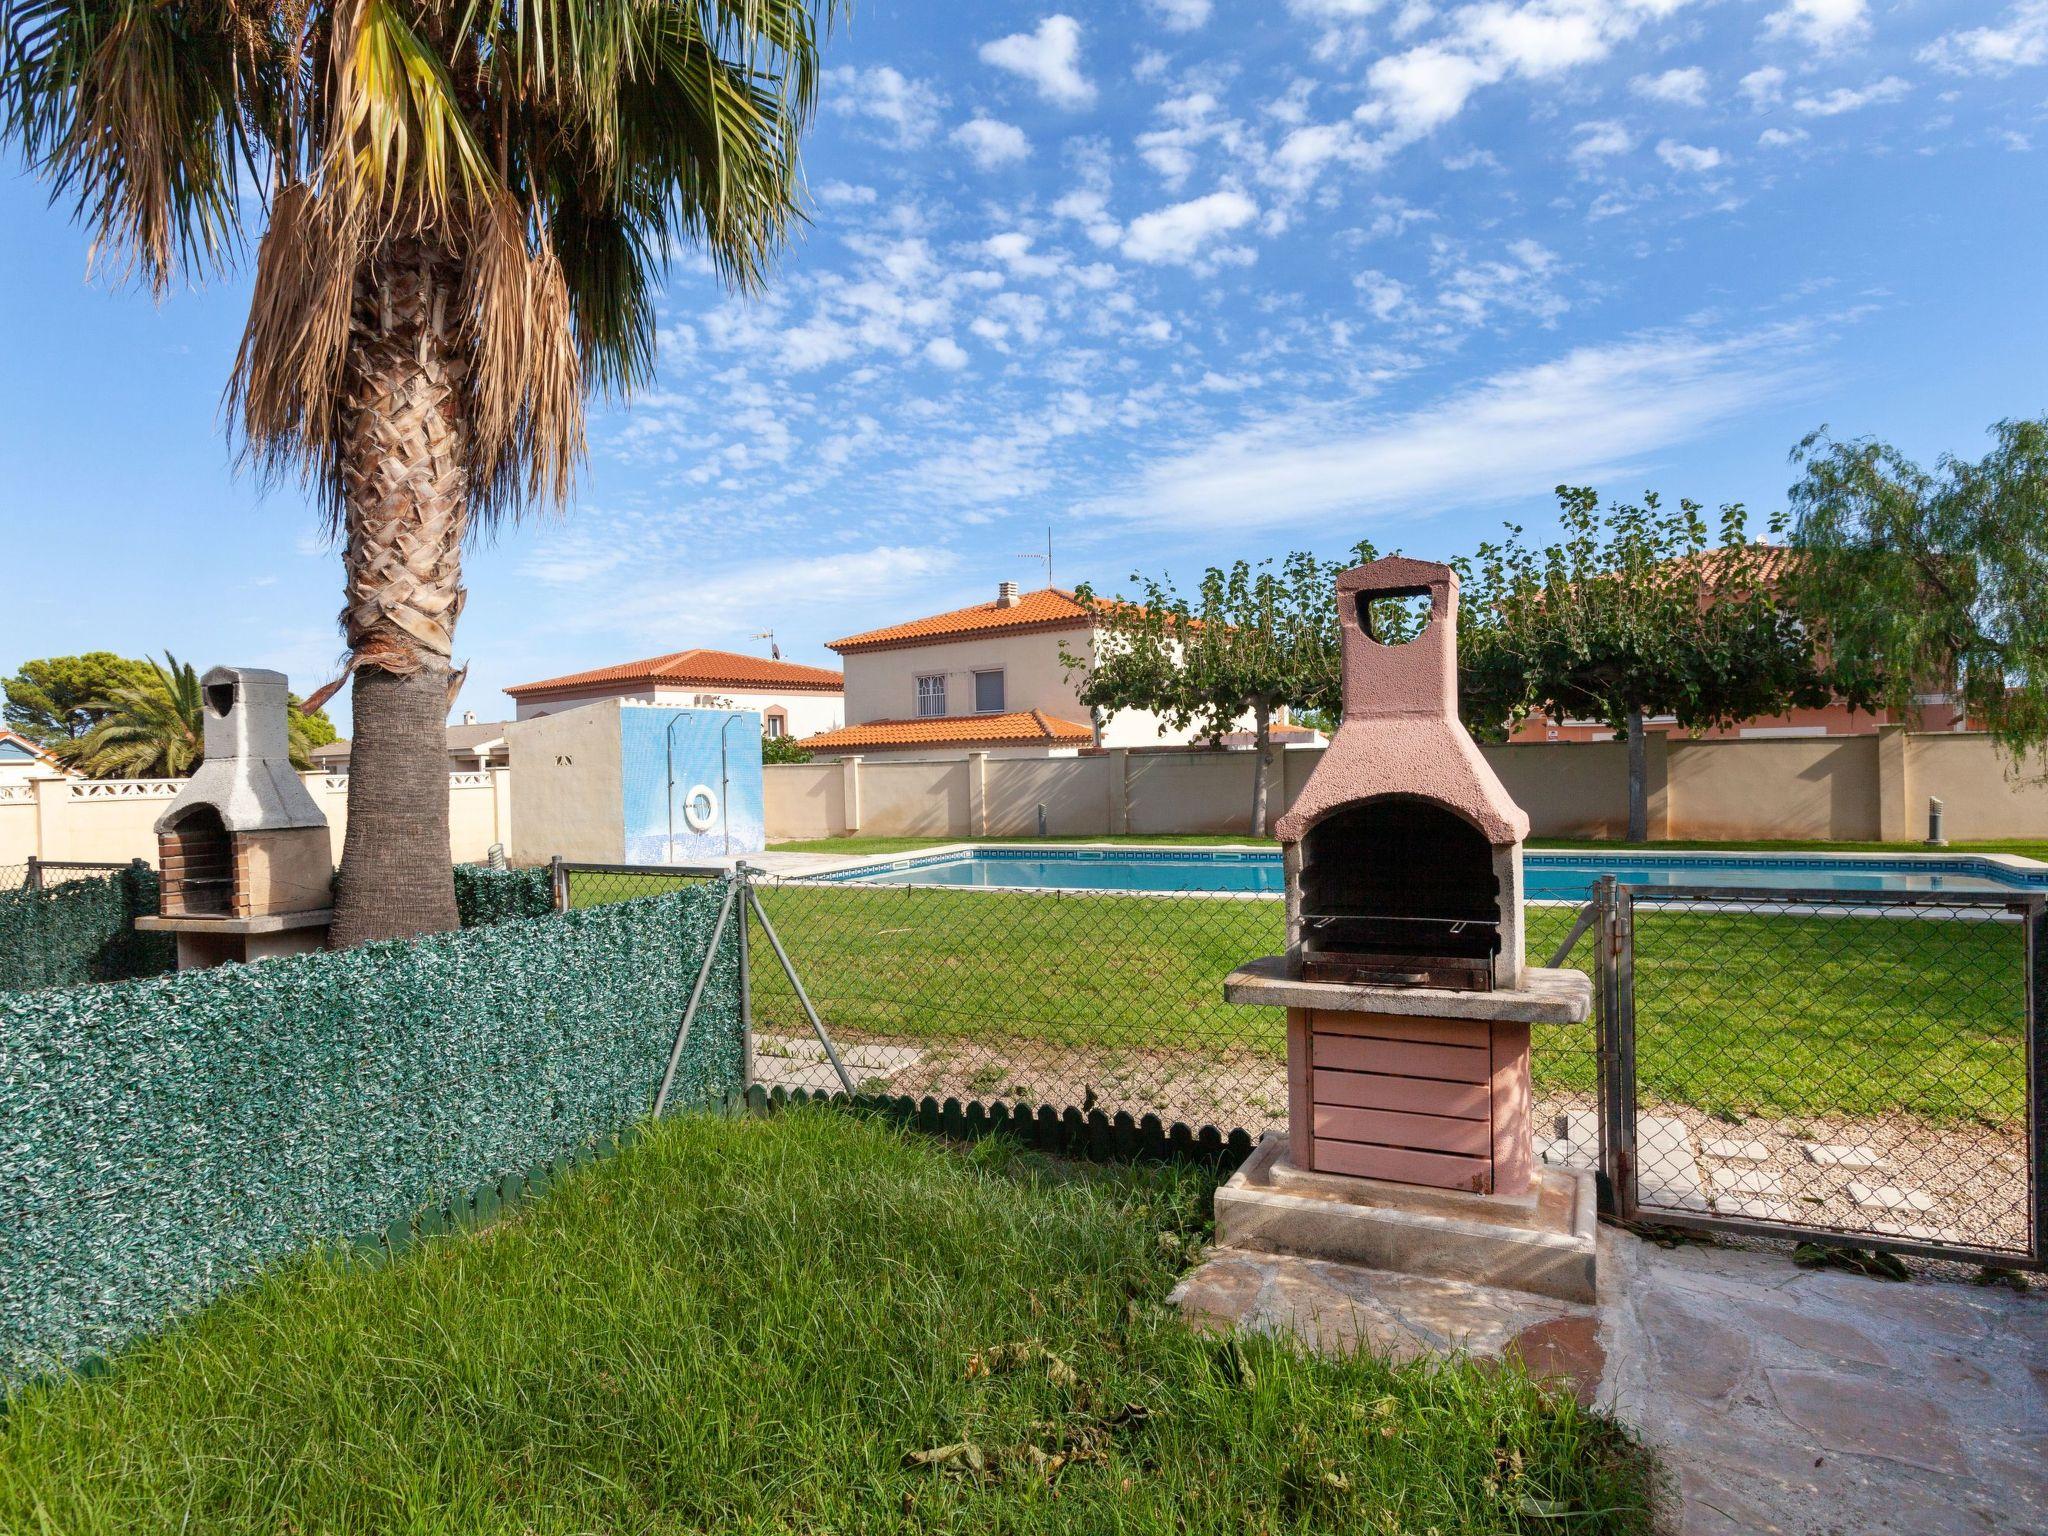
x: 1397, y: 890
x: 197, y: 857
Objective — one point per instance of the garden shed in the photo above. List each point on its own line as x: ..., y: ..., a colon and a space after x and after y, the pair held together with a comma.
x: 622, y: 782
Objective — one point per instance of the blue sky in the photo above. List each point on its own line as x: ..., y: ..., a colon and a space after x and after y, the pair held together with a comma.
x: 1184, y: 279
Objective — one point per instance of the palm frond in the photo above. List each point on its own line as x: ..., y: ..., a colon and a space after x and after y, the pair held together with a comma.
x: 134, y: 109
x: 525, y: 384
x: 285, y: 393
x: 400, y: 141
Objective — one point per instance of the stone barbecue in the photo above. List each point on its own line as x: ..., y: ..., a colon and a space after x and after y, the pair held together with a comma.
x: 1408, y: 1000
x: 246, y: 863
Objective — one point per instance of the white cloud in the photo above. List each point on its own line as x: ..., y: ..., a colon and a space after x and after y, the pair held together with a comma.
x: 845, y: 194
x: 1828, y: 25
x: 1013, y: 249
x: 1090, y: 209
x: 1687, y: 157
x: 1181, y: 232
x: 1763, y: 87
x: 1600, y: 140
x: 1781, y: 138
x: 1419, y: 90
x: 1426, y: 87
x: 2019, y: 41
x: 1472, y: 291
x: 906, y: 109
x: 1592, y: 414
x: 990, y: 143
x: 1679, y: 87
x: 1180, y: 15
x: 1049, y: 58
x: 945, y: 352
x: 1385, y: 296
x: 860, y: 585
x: 1843, y: 99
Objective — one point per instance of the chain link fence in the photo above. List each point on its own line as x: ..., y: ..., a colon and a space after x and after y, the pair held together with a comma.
x: 1843, y: 1065
x: 1087, y: 999
x: 1847, y: 1067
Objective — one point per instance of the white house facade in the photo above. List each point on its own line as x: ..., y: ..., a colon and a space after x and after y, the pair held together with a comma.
x: 991, y: 678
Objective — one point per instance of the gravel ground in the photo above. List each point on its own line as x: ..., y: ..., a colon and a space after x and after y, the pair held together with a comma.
x: 1957, y: 1183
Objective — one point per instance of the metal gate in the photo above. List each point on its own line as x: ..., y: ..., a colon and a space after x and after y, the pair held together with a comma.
x: 1841, y: 1067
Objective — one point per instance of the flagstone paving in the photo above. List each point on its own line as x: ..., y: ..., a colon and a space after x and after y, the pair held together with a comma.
x: 1782, y: 1401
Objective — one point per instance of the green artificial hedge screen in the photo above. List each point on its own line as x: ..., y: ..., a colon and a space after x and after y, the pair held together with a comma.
x: 162, y: 1139
x: 81, y: 929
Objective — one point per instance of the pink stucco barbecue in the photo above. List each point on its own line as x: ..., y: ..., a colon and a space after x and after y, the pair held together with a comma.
x: 1409, y: 1004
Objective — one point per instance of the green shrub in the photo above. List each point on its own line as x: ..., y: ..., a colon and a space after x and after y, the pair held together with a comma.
x: 165, y: 1138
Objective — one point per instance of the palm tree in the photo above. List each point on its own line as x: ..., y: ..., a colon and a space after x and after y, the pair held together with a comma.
x: 155, y: 728
x: 463, y: 210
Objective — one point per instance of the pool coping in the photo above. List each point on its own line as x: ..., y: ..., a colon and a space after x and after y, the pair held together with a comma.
x: 2029, y: 875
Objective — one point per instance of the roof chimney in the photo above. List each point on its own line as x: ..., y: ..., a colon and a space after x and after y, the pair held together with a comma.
x: 469, y: 717
x: 1006, y: 595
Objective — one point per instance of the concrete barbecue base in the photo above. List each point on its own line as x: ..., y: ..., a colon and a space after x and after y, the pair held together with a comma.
x: 1542, y: 1242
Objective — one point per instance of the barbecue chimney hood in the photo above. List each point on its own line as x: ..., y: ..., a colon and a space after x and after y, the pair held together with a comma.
x: 244, y: 855
x: 1408, y: 1001
x: 1403, y: 850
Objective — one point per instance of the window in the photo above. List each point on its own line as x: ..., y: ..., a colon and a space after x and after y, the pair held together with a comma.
x: 988, y: 693
x: 931, y: 695
x: 775, y: 724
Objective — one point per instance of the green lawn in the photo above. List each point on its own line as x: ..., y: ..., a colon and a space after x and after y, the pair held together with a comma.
x: 760, y: 1326
x: 1738, y: 1013
x: 2031, y: 848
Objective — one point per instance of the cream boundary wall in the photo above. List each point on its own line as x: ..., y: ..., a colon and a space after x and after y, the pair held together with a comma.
x: 808, y: 713
x: 1861, y: 787
x: 110, y: 821
x: 1855, y: 788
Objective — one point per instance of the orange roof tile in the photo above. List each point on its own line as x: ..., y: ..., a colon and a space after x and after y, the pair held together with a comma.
x: 1047, y: 608
x: 693, y: 669
x: 1021, y: 727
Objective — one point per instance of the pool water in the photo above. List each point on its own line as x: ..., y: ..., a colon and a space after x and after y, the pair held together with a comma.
x: 1546, y: 876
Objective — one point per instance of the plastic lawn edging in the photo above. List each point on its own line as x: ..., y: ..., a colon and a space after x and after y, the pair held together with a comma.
x: 164, y: 1139
x: 1120, y: 1137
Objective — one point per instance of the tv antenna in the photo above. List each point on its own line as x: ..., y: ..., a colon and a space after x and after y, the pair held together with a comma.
x: 774, y: 650
x: 1044, y: 559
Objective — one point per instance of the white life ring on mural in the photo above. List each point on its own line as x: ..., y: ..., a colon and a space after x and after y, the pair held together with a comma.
x: 700, y: 820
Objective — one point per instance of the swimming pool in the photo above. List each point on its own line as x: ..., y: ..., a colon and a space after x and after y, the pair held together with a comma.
x: 1546, y: 876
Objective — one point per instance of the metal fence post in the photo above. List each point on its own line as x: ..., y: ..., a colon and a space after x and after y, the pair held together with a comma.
x: 747, y: 898
x: 35, y: 873
x: 1614, y: 1042
x: 558, y: 884
x: 2037, y: 1070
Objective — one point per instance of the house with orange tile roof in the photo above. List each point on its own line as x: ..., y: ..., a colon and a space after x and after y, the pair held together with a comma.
x: 793, y: 700
x: 987, y: 678
x: 22, y: 760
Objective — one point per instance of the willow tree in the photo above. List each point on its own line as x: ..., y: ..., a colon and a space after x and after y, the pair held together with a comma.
x: 1637, y: 611
x: 460, y: 211
x: 1251, y: 641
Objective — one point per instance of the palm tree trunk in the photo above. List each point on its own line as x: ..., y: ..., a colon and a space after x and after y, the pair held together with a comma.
x: 405, y: 497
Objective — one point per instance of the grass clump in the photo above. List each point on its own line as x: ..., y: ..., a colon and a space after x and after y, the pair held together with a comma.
x: 813, y: 1323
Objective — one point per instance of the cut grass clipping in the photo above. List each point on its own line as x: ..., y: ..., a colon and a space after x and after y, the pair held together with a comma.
x: 812, y: 1323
